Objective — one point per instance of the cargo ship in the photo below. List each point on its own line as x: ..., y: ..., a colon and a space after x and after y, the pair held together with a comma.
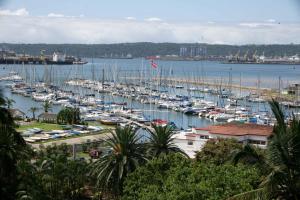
x: 57, y: 58
x: 254, y: 59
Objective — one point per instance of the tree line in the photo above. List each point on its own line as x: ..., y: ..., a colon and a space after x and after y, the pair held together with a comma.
x: 143, y: 49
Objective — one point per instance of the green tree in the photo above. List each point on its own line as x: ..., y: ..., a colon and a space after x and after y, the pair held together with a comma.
x: 218, y: 151
x: 47, y: 106
x: 250, y: 154
x: 12, y: 150
x: 52, y: 175
x: 69, y: 116
x: 33, y: 110
x: 161, y: 141
x: 9, y: 102
x: 282, y: 160
x: 178, y: 178
x: 125, y: 156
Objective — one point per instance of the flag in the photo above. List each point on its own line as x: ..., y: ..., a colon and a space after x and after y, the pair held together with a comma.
x: 153, y: 64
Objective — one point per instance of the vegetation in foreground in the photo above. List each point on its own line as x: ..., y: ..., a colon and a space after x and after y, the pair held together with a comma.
x: 178, y: 178
x: 155, y: 170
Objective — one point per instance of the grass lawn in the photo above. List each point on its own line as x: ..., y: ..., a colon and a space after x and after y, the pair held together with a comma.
x: 49, y: 127
x: 44, y: 126
x: 72, y: 137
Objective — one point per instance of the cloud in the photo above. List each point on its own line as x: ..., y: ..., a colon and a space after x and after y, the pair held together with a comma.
x: 257, y: 24
x: 153, y: 19
x: 55, y: 15
x: 271, y: 20
x: 130, y: 18
x: 19, y: 12
x: 86, y: 30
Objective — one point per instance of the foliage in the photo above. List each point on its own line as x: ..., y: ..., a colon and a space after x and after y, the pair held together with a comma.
x: 12, y: 150
x: 69, y: 116
x: 47, y: 106
x: 33, y: 110
x: 54, y: 175
x: 161, y: 141
x: 251, y: 155
x: 218, y: 151
x: 125, y: 156
x: 142, y: 49
x: 9, y: 102
x: 178, y: 178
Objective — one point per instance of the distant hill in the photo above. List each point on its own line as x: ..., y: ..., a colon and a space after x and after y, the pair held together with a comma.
x: 149, y: 49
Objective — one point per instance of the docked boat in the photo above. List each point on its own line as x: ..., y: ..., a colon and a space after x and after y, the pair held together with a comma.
x: 111, y: 121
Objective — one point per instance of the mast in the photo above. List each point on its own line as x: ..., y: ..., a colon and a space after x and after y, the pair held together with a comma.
x: 279, y: 87
x: 240, y: 84
x: 103, y: 76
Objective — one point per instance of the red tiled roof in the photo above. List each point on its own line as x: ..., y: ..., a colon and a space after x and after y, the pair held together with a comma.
x: 203, y: 128
x: 236, y: 129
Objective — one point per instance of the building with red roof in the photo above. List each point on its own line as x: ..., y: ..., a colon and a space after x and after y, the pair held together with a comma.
x: 193, y: 140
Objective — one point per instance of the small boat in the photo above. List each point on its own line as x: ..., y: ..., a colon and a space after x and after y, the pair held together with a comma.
x: 159, y: 122
x: 79, y: 62
x: 111, y: 121
x: 179, y: 86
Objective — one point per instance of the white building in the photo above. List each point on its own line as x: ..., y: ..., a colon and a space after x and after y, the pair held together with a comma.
x: 193, y: 141
x: 58, y: 57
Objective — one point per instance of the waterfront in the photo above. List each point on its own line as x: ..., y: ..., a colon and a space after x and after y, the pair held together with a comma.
x: 121, y: 71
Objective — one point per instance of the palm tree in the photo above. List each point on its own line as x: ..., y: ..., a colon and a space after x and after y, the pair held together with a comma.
x: 47, y: 106
x: 5, y: 116
x: 283, y: 161
x: 69, y: 116
x: 2, y: 100
x: 249, y: 154
x: 9, y: 102
x: 33, y: 110
x: 126, y: 154
x: 161, y: 141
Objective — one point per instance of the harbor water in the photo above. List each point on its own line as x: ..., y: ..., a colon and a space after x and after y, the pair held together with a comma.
x: 124, y: 70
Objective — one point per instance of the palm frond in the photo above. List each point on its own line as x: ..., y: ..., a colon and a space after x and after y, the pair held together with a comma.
x: 258, y: 194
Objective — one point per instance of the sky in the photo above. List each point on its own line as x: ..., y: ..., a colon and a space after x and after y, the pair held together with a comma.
x: 119, y: 21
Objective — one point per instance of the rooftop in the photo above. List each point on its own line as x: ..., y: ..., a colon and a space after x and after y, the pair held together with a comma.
x: 239, y: 129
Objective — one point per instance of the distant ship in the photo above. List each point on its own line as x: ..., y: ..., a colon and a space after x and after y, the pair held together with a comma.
x: 10, y: 57
x: 254, y: 59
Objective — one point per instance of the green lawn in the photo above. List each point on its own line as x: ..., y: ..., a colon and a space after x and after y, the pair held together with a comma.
x: 49, y: 127
x: 71, y: 137
x: 44, y: 126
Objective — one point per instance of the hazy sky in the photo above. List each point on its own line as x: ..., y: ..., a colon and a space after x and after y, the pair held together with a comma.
x: 113, y: 21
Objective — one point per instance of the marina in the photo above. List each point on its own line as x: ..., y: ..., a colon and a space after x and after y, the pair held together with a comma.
x: 142, y: 100
x: 111, y: 94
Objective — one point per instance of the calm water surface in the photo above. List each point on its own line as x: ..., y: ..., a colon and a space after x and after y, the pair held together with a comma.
x: 118, y: 70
